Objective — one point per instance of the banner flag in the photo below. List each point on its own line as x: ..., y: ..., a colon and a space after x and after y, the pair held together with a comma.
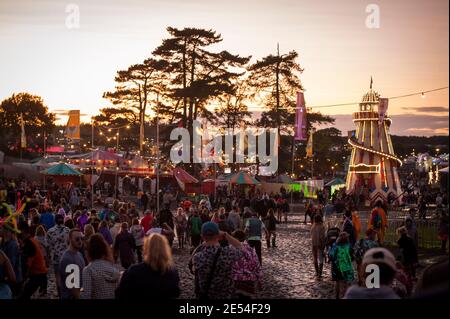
x: 309, y: 146
x: 300, y: 118
x: 382, y: 109
x: 23, y: 137
x: 73, y: 125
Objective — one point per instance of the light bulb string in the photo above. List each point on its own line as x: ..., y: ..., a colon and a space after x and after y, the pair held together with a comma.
x: 390, y: 98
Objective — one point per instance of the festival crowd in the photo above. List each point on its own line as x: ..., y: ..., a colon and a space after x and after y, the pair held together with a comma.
x: 123, y: 249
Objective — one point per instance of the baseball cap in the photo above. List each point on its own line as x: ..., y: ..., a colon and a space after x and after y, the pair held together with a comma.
x: 379, y: 256
x: 210, y: 229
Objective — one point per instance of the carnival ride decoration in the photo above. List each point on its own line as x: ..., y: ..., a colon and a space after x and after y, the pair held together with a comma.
x: 373, y: 163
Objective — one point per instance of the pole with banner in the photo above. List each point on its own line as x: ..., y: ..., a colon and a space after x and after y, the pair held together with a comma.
x: 300, y: 128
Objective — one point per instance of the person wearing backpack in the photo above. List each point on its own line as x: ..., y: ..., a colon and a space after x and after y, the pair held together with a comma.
x: 213, y: 264
x: 195, y: 226
x: 360, y: 248
x: 378, y: 222
x: 340, y: 256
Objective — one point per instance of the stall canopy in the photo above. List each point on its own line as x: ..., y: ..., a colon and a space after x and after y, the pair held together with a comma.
x: 99, y: 155
x: 284, y: 179
x: 335, y: 181
x: 242, y: 178
x: 182, y: 177
x: 335, y: 184
x: 61, y: 169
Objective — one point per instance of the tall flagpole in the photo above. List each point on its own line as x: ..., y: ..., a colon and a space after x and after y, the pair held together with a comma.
x: 92, y: 163
x: 157, y: 152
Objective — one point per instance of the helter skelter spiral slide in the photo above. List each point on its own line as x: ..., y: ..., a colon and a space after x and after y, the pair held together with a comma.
x: 373, y: 163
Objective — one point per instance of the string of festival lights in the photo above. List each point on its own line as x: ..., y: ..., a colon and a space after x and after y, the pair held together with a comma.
x: 421, y: 93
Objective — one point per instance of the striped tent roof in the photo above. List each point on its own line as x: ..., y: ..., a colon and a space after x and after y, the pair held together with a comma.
x: 243, y: 178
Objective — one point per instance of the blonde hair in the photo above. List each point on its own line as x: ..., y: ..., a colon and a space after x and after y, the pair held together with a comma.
x: 88, y: 231
x: 157, y: 253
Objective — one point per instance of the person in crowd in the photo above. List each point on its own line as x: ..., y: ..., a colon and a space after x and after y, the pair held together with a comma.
x: 195, y: 226
x: 443, y: 231
x: 36, y: 274
x: 318, y: 244
x: 434, y: 282
x: 348, y: 227
x: 104, y: 231
x: 124, y: 246
x: 247, y: 273
x: 411, y: 230
x: 100, y: 276
x: 213, y: 264
x: 40, y: 236
x: 271, y: 226
x: 378, y: 221
x: 7, y: 277
x: 360, y: 248
x: 147, y: 220
x: 10, y: 246
x: 57, y: 239
x: 138, y: 233
x: 386, y: 264
x: 71, y: 261
x: 47, y: 219
x: 180, y: 226
x: 254, y: 228
x: 154, y: 278
x: 234, y: 220
x: 356, y: 222
x: 408, y: 250
x: 340, y: 256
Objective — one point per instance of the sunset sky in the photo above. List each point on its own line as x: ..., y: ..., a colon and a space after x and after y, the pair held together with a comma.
x: 71, y: 68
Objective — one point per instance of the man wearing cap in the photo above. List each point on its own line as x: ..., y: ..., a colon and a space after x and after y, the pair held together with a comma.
x: 385, y: 262
x: 10, y: 246
x: 213, y: 264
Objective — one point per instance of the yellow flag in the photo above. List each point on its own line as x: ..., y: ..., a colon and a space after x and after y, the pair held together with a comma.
x: 309, y: 146
x: 73, y: 125
x: 23, y: 137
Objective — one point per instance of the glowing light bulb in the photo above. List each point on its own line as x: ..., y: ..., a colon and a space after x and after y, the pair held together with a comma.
x: 423, y: 95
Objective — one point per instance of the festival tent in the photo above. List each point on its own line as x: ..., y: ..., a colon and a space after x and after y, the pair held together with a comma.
x: 183, y: 178
x: 63, y: 173
x: 335, y: 184
x: 283, y: 179
x: 61, y: 169
x: 242, y: 178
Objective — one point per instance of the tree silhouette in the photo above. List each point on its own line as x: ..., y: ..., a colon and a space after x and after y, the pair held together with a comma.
x: 37, y: 119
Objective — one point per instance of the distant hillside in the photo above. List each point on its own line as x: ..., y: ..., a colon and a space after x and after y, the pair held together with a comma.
x: 405, y: 144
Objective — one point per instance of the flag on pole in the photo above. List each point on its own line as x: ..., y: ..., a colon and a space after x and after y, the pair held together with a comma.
x: 382, y: 109
x: 309, y: 146
x: 23, y: 137
x: 300, y: 118
x: 73, y: 125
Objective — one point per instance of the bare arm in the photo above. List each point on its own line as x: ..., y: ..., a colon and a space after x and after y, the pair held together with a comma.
x: 231, y: 240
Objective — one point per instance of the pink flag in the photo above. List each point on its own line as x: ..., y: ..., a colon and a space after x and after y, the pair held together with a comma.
x: 300, y: 118
x: 382, y: 109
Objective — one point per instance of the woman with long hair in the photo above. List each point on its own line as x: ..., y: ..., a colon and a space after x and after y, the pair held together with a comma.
x: 156, y: 277
x: 100, y: 277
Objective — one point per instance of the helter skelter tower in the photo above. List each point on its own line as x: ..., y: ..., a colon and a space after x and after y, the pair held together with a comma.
x: 373, y: 164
